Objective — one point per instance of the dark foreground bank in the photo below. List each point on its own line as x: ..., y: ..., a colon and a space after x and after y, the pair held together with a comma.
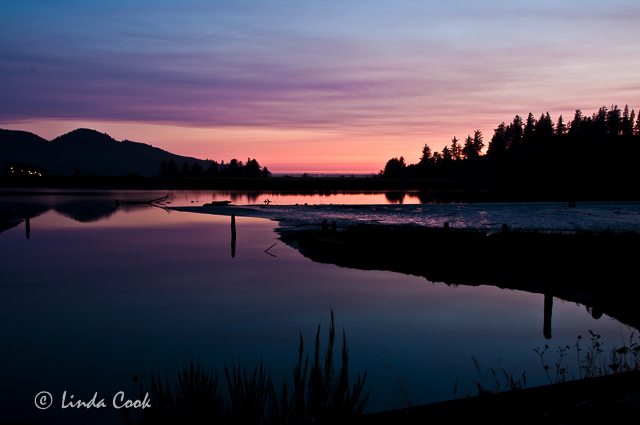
x: 605, y: 400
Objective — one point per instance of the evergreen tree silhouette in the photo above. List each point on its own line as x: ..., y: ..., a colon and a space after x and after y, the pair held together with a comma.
x: 628, y: 119
x: 599, y: 123
x: 446, y: 154
x: 543, y: 129
x: 576, y: 123
x: 478, y: 143
x: 614, y: 121
x: 498, y: 144
x: 426, y: 158
x: 561, y: 127
x: 529, y: 129
x: 468, y: 150
x: 516, y: 132
x: 456, y: 149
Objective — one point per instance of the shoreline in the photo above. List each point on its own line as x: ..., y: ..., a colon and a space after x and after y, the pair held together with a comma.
x: 594, y: 268
x: 431, y: 190
x: 491, y: 217
x: 603, y: 399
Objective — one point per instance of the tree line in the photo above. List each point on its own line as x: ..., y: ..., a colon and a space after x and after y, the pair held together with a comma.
x: 234, y: 168
x: 582, y: 155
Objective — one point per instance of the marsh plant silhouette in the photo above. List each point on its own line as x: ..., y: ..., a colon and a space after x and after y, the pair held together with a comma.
x: 319, y: 392
x: 587, y: 358
x: 592, y: 359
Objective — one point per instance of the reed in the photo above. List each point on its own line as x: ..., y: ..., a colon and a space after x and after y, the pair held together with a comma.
x: 320, y: 392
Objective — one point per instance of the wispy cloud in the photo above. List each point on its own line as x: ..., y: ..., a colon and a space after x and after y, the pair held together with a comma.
x: 362, y: 68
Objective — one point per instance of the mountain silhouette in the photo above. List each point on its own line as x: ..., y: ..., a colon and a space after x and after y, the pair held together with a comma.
x: 86, y: 151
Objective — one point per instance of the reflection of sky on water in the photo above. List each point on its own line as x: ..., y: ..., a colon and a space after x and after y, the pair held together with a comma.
x: 84, y: 306
x: 326, y: 198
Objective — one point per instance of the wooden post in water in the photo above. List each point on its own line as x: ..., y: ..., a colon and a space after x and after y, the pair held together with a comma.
x: 27, y: 225
x: 233, y: 236
x: 548, y: 309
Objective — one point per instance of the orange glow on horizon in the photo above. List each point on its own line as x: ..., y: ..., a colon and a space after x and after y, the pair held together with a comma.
x: 281, y: 150
x: 320, y: 150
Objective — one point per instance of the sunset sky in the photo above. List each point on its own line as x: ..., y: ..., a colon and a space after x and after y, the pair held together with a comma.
x: 316, y: 86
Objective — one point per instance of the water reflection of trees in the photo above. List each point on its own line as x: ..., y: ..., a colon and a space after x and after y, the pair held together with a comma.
x: 395, y: 197
x: 12, y: 213
x: 86, y: 211
x: 258, y: 196
x: 596, y: 270
x: 398, y: 197
x: 239, y: 197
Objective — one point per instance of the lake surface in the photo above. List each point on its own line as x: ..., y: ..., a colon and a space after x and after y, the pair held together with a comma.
x: 98, y: 294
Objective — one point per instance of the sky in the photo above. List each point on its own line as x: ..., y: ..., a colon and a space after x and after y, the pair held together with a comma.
x: 310, y: 86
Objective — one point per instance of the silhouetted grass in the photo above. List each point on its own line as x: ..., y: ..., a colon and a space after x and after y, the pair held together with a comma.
x: 496, y: 380
x: 248, y: 395
x: 592, y: 360
x: 319, y: 393
x: 193, y: 399
x: 322, y: 394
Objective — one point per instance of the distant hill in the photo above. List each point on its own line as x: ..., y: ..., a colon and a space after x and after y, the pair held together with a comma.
x: 85, y: 151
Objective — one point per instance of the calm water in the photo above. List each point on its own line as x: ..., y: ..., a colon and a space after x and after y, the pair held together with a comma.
x: 97, y: 295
